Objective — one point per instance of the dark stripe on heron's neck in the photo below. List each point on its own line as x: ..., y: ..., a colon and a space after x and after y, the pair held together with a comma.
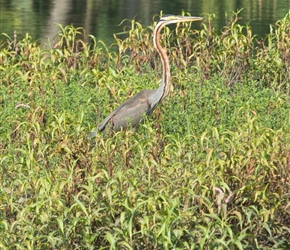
x: 164, y: 60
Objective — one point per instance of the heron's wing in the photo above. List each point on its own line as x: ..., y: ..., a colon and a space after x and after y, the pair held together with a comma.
x: 137, y: 102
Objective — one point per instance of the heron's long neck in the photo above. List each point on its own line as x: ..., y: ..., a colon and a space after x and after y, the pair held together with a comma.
x: 164, y: 87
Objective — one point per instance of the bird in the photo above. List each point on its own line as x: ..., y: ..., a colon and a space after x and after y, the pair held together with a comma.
x: 131, y: 112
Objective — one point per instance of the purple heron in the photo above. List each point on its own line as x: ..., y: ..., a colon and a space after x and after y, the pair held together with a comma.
x: 131, y: 112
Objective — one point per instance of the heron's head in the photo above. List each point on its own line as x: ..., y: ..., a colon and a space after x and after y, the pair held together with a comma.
x: 168, y: 19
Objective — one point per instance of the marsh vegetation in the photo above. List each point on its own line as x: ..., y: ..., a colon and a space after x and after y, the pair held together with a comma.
x: 209, y: 169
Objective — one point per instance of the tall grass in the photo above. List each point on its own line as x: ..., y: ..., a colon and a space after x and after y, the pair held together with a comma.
x: 208, y: 170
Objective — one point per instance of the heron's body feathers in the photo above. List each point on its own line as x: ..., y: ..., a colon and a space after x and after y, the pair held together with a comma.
x: 130, y: 112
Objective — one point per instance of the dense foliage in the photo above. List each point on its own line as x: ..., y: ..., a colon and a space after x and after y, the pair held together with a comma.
x: 208, y: 170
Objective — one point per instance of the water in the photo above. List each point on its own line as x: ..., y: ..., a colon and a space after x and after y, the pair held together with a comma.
x: 102, y: 18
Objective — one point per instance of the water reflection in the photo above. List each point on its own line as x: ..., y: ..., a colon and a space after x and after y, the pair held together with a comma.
x: 101, y: 17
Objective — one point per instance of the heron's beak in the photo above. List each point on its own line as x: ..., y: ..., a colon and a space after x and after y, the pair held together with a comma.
x: 178, y: 19
x: 190, y: 18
